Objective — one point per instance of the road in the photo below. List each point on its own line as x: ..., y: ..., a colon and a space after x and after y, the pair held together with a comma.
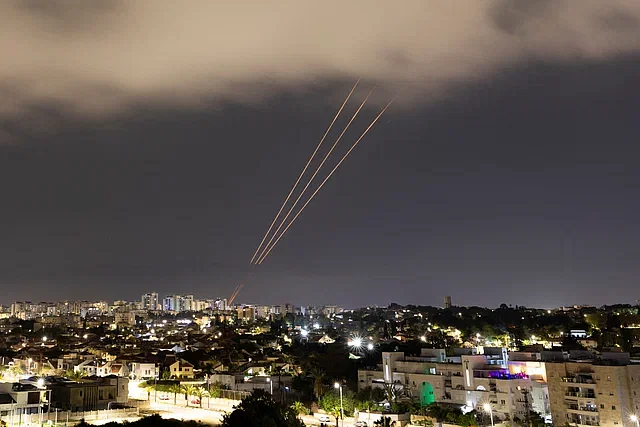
x: 212, y: 411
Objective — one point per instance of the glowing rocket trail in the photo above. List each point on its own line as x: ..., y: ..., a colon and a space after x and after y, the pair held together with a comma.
x: 284, y: 220
x: 303, y: 172
x: 262, y: 258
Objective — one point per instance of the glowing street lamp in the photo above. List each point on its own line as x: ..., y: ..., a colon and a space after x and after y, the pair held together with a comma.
x: 339, y: 387
x: 635, y: 419
x: 370, y: 346
x: 355, y: 342
x: 487, y: 409
x: 270, y: 385
x: 304, y: 333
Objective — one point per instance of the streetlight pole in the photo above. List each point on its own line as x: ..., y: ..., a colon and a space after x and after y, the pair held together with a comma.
x: 339, y: 387
x: 270, y: 385
x: 487, y: 408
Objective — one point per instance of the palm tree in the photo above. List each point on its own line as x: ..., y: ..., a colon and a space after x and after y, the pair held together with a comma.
x: 188, y: 391
x: 319, y: 375
x: 175, y: 389
x: 149, y: 389
x: 336, y: 412
x: 200, y: 393
x: 74, y: 375
x: 300, y: 408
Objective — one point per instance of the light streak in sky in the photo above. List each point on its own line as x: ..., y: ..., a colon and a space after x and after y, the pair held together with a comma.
x: 284, y: 220
x: 273, y: 245
x: 303, y: 171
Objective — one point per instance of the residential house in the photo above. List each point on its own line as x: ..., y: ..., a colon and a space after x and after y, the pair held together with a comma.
x: 113, y: 368
x: 89, y: 368
x: 181, y: 369
x: 144, y: 370
x: 18, y: 399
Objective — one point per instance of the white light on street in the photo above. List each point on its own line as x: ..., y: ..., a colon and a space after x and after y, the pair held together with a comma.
x: 370, y: 346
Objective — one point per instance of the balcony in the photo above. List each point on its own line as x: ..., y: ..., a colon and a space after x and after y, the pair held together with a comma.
x: 583, y: 422
x: 580, y: 394
x: 578, y: 380
x: 582, y: 409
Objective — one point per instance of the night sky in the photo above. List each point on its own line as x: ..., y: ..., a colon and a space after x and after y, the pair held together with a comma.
x: 507, y: 170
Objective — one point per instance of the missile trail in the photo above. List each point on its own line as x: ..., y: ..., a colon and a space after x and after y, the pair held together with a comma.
x: 284, y: 220
x: 303, y: 172
x: 270, y: 248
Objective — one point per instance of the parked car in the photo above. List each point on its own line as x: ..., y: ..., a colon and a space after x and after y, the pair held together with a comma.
x: 323, y: 418
x: 195, y: 401
x: 360, y: 424
x: 164, y: 397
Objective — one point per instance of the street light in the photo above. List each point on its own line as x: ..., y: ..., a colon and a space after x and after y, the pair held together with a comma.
x: 270, y: 385
x: 339, y: 387
x: 635, y: 419
x: 487, y: 409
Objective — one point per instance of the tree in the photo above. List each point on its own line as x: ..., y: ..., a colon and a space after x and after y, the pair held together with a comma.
x: 16, y: 370
x: 319, y: 375
x: 188, y: 390
x: 260, y: 410
x: 166, y: 374
x: 330, y: 402
x: 392, y: 392
x: 200, y: 393
x: 300, y: 408
x: 74, y: 375
x: 175, y: 389
x: 384, y: 422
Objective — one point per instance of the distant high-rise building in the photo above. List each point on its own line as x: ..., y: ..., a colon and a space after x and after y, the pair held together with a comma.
x: 178, y: 303
x: 220, y: 304
x: 246, y: 313
x: 447, y: 302
x: 150, y: 301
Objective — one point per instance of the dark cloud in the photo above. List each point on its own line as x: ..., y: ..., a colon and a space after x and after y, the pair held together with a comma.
x: 96, y: 59
x: 620, y: 20
x: 517, y: 17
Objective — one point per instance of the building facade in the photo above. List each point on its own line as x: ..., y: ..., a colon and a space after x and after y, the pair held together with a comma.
x: 594, y: 393
x: 467, y: 380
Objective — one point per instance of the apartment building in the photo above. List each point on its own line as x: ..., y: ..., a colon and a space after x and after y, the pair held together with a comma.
x: 150, y: 301
x: 466, y: 379
x: 600, y: 391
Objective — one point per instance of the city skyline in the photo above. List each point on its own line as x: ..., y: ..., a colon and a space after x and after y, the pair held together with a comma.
x: 505, y: 176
